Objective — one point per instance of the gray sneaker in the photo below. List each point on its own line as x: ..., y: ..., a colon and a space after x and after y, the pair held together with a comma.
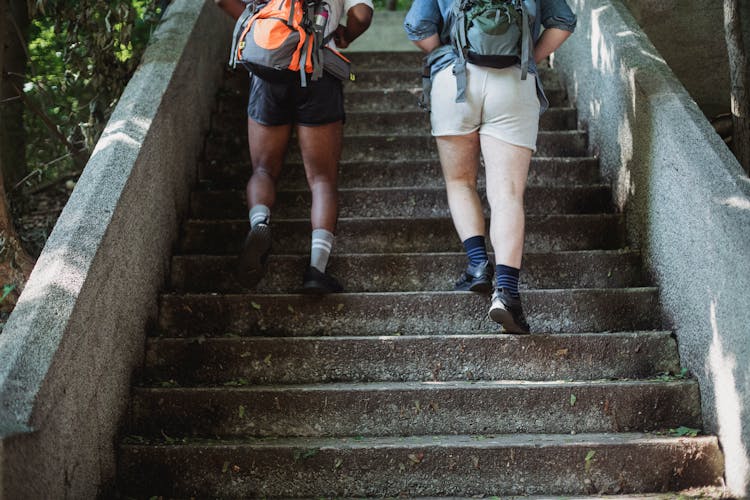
x: 507, y: 311
x: 253, y: 259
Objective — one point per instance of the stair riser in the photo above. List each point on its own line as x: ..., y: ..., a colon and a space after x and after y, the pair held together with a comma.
x: 404, y: 97
x: 230, y: 125
x: 560, y: 311
x: 378, y: 273
x: 415, y: 202
x: 310, y: 360
x: 430, y: 470
x: 425, y: 173
x: 543, y: 234
x: 391, y: 411
x: 388, y: 148
x: 412, y: 78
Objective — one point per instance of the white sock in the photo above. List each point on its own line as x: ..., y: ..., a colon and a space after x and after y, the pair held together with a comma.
x: 322, y: 243
x: 258, y: 214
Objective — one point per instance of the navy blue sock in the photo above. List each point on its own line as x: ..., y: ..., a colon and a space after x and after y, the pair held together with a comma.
x: 507, y: 279
x: 476, y: 250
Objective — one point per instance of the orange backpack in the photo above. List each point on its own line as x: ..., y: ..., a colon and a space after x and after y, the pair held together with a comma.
x: 279, y: 39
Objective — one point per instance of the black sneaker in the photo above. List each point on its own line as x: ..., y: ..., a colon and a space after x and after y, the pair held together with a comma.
x: 252, y: 261
x: 507, y: 311
x: 476, y: 279
x: 316, y: 283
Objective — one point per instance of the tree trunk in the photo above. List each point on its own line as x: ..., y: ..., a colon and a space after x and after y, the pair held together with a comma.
x: 390, y: 5
x: 739, y: 83
x: 14, y: 31
x: 15, y: 263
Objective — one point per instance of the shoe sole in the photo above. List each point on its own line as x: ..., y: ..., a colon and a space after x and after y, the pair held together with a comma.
x: 481, y: 287
x: 252, y: 261
x: 478, y: 287
x: 505, y: 319
x: 315, y: 288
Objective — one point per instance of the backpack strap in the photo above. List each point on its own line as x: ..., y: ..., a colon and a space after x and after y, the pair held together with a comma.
x: 458, y: 35
x: 525, y: 41
x: 316, y: 13
x: 290, y: 21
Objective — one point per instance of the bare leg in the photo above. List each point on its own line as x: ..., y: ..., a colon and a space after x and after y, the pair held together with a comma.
x: 507, y: 167
x: 268, y: 146
x: 267, y: 149
x: 321, y: 151
x: 459, y: 158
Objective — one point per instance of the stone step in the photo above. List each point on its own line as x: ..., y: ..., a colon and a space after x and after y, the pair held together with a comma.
x: 409, y: 272
x: 406, y: 97
x: 388, y: 78
x: 518, y: 464
x: 544, y: 233
x: 403, y: 313
x: 374, y: 73
x: 399, y: 173
x: 394, y: 147
x: 415, y: 408
x: 297, y: 360
x: 401, y: 202
x: 392, y: 122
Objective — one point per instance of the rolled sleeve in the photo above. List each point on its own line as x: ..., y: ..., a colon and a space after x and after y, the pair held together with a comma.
x: 557, y: 14
x: 422, y: 20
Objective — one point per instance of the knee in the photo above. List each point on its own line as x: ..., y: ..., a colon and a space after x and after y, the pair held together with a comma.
x: 461, y: 182
x: 262, y: 171
x: 505, y: 193
x: 321, y: 181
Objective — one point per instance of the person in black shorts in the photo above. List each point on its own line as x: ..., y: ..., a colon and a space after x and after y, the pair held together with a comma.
x: 317, y: 111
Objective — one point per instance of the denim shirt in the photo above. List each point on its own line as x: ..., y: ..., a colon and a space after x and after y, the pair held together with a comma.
x: 426, y: 18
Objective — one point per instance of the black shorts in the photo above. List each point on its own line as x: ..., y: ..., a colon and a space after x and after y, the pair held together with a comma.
x: 281, y: 103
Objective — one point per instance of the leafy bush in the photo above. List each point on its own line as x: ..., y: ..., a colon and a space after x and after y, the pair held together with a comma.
x: 81, y: 56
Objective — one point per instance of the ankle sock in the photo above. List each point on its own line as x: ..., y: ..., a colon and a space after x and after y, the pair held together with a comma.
x: 259, y: 214
x: 507, y: 279
x: 322, y: 243
x: 476, y: 250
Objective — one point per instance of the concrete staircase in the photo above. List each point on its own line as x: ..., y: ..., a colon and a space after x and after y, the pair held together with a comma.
x: 401, y: 387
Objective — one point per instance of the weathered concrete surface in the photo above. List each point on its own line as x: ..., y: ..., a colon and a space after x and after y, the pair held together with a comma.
x: 381, y: 173
x: 689, y: 34
x: 408, y: 272
x: 687, y: 203
x: 415, y: 408
x: 433, y: 234
x: 297, y: 360
x: 412, y: 313
x: 401, y: 202
x: 516, y: 464
x: 68, y: 349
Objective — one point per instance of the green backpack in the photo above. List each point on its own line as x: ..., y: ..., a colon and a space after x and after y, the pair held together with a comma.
x: 494, y: 33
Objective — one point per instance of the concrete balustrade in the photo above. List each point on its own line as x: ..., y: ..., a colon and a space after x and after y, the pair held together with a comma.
x: 69, y: 349
x: 687, y: 203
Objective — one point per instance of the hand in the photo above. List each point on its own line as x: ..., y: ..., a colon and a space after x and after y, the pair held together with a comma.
x: 339, y: 37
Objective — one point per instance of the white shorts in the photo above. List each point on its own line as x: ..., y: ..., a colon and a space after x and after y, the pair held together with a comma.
x: 498, y: 104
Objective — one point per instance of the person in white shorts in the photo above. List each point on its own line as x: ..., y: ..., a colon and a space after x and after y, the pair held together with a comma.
x: 499, y: 120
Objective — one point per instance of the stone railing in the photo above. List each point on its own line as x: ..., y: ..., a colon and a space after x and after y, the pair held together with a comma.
x: 687, y: 202
x: 68, y: 350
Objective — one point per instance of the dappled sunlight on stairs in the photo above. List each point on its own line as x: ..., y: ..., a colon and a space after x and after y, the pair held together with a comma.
x: 401, y: 387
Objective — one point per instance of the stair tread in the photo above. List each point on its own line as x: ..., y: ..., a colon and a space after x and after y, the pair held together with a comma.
x: 421, y: 386
x: 443, y: 441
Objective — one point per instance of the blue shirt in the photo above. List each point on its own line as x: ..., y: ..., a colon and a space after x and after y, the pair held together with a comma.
x: 426, y: 18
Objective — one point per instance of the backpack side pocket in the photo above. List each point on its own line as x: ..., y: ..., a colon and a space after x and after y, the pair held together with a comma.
x: 337, y: 65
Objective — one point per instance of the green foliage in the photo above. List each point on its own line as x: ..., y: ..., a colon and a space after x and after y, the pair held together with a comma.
x: 683, y: 431
x: 400, y: 4
x: 81, y: 56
